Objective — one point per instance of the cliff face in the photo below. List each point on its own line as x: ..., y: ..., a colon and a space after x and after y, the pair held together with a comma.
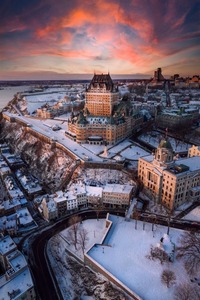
x: 48, y: 165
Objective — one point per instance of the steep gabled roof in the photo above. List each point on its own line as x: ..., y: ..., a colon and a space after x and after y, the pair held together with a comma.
x: 81, y: 119
x: 100, y: 81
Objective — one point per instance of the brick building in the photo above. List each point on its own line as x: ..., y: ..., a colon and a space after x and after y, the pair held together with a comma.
x: 104, y: 119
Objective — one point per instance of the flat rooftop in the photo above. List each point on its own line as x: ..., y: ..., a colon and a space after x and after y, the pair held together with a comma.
x: 6, y: 245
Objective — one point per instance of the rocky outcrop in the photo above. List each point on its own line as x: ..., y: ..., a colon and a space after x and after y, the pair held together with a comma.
x: 90, y: 284
x: 47, y: 164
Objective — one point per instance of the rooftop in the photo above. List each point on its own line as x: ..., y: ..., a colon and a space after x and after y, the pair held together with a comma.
x: 17, y: 286
x: 101, y: 81
x: 117, y: 188
x: 6, y: 245
x: 192, y: 162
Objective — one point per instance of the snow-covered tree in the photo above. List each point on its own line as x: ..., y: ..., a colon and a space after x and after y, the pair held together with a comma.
x: 74, y: 223
x: 135, y: 216
x: 156, y: 253
x: 82, y: 238
x: 186, y: 291
x: 168, y: 278
x: 189, y: 251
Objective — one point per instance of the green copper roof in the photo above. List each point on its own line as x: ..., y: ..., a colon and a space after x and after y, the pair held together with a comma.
x: 81, y: 119
x: 165, y: 144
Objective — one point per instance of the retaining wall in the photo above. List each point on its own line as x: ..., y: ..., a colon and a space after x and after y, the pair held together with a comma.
x: 95, y: 266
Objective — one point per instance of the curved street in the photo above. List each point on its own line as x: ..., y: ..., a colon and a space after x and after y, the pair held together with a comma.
x: 45, y: 282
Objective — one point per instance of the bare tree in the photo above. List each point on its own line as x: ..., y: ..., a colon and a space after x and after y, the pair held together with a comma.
x: 83, y: 238
x: 98, y: 209
x: 74, y: 223
x: 144, y: 224
x: 153, y: 220
x: 189, y: 251
x: 135, y: 216
x: 169, y: 215
x: 168, y: 278
x: 186, y: 291
x: 72, y: 238
x: 157, y: 253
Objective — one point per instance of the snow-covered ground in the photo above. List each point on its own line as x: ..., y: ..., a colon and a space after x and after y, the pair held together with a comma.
x: 101, y: 176
x: 95, y: 229
x: 194, y: 215
x: 133, y: 152
x: 154, y: 138
x: 124, y: 150
x: 50, y: 96
x: 76, y: 281
x: 111, y: 150
x: 125, y: 257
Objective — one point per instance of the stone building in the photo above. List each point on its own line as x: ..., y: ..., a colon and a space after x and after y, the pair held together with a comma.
x: 168, y: 181
x: 177, y: 118
x: 117, y: 195
x: 104, y: 119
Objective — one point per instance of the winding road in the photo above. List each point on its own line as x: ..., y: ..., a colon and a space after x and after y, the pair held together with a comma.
x: 45, y: 282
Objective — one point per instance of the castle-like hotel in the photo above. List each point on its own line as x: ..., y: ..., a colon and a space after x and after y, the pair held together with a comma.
x: 105, y: 118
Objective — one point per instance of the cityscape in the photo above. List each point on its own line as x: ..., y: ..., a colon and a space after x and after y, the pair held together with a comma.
x: 100, y: 150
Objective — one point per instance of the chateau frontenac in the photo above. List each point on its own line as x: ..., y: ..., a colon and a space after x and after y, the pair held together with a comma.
x: 105, y: 119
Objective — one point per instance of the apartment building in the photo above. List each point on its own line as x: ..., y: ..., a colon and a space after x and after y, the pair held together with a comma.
x: 79, y: 196
x: 16, y: 283
x: 117, y: 195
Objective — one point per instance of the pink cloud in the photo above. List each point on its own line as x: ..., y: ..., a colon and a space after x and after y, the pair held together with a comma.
x: 100, y: 30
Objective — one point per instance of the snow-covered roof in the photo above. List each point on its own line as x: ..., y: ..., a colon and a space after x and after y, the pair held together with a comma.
x: 17, y: 260
x: 70, y: 195
x: 8, y: 204
x: 17, y: 286
x: 148, y: 158
x: 24, y: 216
x: 8, y: 222
x: 117, y: 188
x: 51, y: 205
x: 78, y: 188
x: 192, y: 162
x: 7, y: 244
x: 60, y: 199
x: 94, y: 191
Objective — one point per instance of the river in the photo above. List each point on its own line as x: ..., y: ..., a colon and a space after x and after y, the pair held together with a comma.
x: 7, y: 93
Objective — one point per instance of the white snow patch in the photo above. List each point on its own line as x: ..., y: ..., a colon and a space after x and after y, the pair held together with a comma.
x: 194, y: 215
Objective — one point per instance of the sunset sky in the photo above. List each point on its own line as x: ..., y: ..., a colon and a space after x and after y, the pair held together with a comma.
x: 48, y: 39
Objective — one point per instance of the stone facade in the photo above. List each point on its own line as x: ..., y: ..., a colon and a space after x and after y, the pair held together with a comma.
x: 168, y: 181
